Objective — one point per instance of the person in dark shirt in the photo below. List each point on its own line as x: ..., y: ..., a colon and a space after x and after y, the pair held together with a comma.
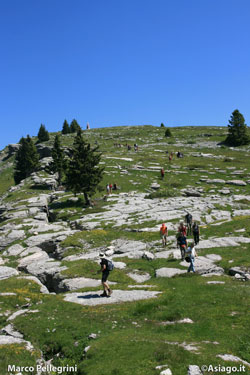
x: 105, y: 273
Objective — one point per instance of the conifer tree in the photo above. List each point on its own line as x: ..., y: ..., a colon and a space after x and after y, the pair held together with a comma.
x: 84, y: 173
x: 58, y: 162
x: 27, y: 159
x: 74, y: 126
x: 43, y: 134
x: 66, y: 128
x: 168, y: 133
x: 237, y: 130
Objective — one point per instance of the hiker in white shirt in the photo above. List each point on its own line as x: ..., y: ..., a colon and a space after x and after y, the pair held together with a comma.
x: 191, y: 254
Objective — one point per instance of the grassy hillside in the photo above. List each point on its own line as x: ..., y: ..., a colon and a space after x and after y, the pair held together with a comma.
x: 136, y: 337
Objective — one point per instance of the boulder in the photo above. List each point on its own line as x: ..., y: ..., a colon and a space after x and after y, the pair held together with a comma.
x: 125, y: 246
x: 139, y: 277
x: 43, y: 288
x: 10, y: 340
x: 155, y: 186
x: 13, y: 148
x: 148, y: 256
x: 43, y: 151
x: 244, y: 273
x: 6, y: 272
x: 14, y: 250
x: 169, y: 272
x: 236, y: 182
x: 194, y: 370
x: 192, y: 193
x: 78, y: 283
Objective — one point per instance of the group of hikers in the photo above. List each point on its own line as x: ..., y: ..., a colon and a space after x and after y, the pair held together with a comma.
x: 128, y: 146
x: 110, y: 187
x: 187, y: 251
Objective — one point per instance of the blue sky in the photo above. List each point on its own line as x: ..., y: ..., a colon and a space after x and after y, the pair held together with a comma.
x: 116, y: 62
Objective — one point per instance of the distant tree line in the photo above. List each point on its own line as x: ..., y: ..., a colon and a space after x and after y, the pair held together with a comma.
x: 74, y: 127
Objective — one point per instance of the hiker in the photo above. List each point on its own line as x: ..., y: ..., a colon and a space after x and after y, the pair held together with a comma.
x: 162, y: 173
x: 190, y: 255
x: 105, y: 273
x: 107, y: 188
x: 188, y: 221
x: 164, y: 234
x: 182, y: 244
x: 196, y: 233
x: 115, y: 187
x: 182, y: 229
x: 110, y: 188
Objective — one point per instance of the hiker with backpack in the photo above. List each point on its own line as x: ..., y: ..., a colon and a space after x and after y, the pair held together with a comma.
x: 190, y: 255
x: 106, y: 267
x: 188, y: 221
x: 182, y: 244
x: 164, y: 234
x: 196, y: 233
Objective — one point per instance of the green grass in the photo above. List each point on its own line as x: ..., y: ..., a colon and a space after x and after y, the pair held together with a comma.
x: 220, y: 312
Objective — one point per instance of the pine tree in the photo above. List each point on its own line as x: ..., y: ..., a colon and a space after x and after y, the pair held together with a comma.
x: 27, y: 159
x: 58, y: 162
x: 168, y: 133
x: 66, y: 128
x: 162, y: 125
x: 84, y: 173
x: 43, y: 134
x: 74, y: 126
x: 237, y: 130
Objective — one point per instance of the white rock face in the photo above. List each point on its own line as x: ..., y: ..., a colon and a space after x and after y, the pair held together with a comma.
x: 14, y: 250
x: 236, y: 182
x: 10, y: 340
x: 118, y: 296
x: 139, y: 277
x: 169, y: 272
x: 166, y: 372
x: 232, y: 358
x: 194, y: 370
x: 80, y: 282
x: 6, y: 272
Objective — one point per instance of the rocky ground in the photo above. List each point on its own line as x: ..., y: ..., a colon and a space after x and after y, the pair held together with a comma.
x: 50, y: 240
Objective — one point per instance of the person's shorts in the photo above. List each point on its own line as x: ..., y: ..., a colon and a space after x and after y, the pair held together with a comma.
x: 105, y: 276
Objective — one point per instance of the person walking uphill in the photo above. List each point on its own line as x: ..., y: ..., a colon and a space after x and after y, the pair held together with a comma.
x: 164, y: 234
x: 105, y: 273
x: 196, y: 233
x: 190, y: 255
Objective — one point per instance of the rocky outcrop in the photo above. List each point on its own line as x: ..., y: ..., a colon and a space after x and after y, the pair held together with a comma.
x: 43, y: 150
x: 168, y: 272
x: 6, y: 272
x: 240, y: 271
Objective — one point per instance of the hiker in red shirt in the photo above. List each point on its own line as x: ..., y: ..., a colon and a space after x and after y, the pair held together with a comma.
x: 164, y: 234
x: 182, y: 229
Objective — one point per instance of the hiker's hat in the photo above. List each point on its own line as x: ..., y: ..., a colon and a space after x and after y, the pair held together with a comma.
x: 101, y: 255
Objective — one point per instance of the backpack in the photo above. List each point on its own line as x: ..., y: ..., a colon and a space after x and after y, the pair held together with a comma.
x: 189, y: 218
x: 196, y: 228
x: 182, y: 240
x: 110, y: 265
